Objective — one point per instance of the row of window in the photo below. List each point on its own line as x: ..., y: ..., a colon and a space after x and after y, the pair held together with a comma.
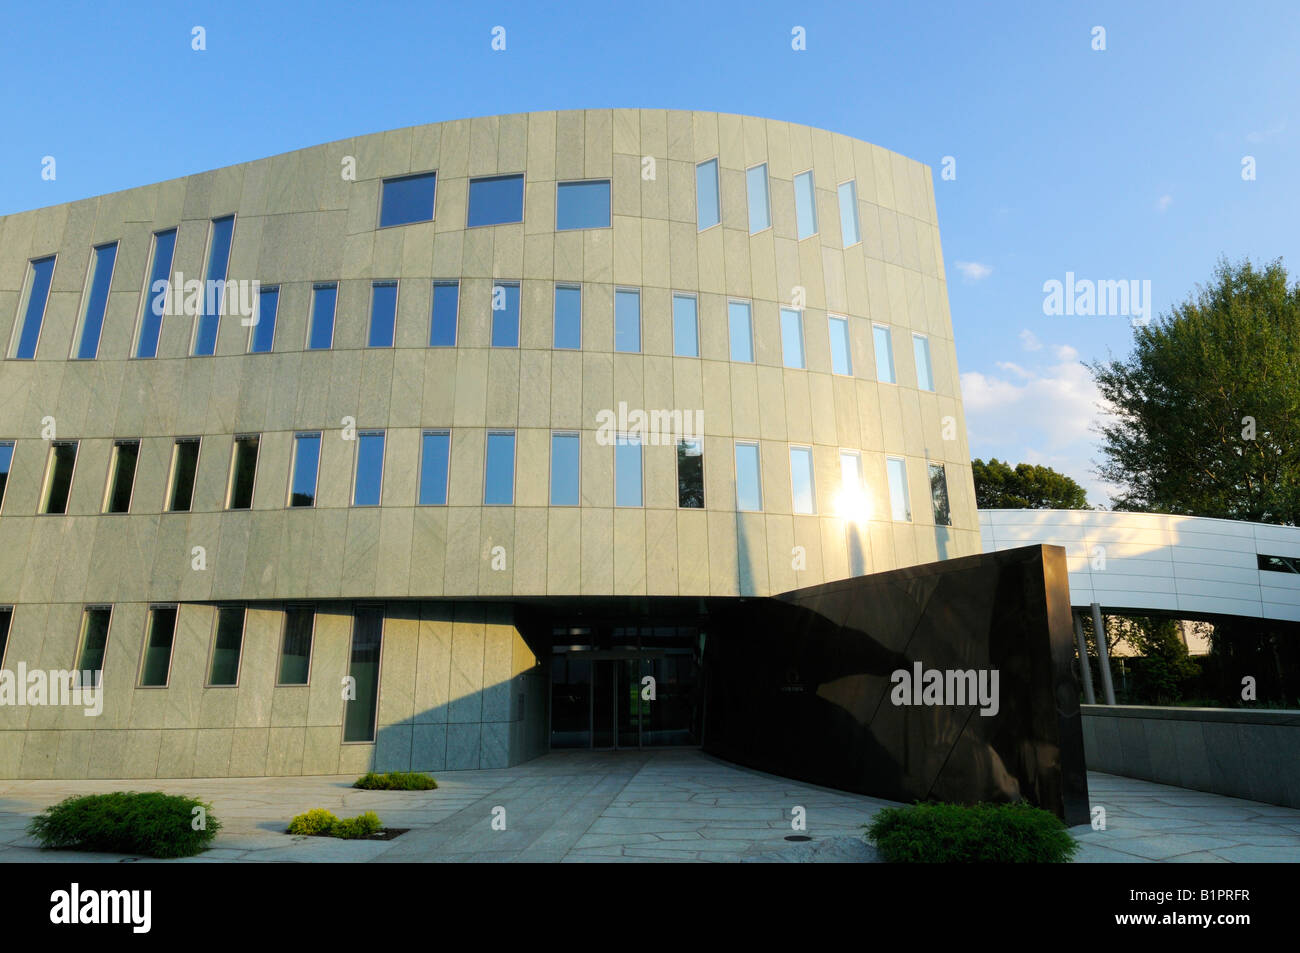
x: 226, y: 651
x: 498, y: 469
x: 708, y: 202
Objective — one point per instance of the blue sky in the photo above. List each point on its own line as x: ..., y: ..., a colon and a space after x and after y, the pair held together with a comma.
x: 1122, y: 164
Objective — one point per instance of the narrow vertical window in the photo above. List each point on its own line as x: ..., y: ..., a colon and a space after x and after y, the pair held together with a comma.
x: 383, y: 313
x: 6, y: 620
x: 690, y: 474
x: 58, y: 476
x: 568, y: 317
x: 367, y: 487
x: 444, y: 314
x: 852, y: 503
x: 407, y: 198
x: 749, y: 486
x: 306, y: 464
x: 262, y: 336
x: 435, y: 456
x: 708, y: 209
x: 214, y: 291
x: 582, y: 204
x: 505, y: 314
x: 185, y: 465
x: 565, y: 469
x: 850, y: 472
x: 760, y: 209
x: 496, y: 200
x: 320, y: 333
x: 363, y: 667
x: 921, y: 351
x: 40, y: 273
x: 157, y: 662
x: 849, y: 230
x: 900, y: 509
x: 627, y: 320
x: 91, y: 644
x: 499, y: 469
x: 686, y: 326
x: 155, y: 295
x: 92, y: 316
x: 742, y: 332
x: 805, y: 204
x: 939, y: 495
x: 6, y: 464
x: 227, y: 646
x: 801, y: 480
x: 627, y: 470
x: 243, y: 472
x: 295, y: 648
x: 121, y: 476
x: 884, y: 343
x: 841, y: 353
x: 792, y: 337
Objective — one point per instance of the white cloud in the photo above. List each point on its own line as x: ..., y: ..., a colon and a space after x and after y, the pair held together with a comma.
x: 1163, y: 203
x: 1029, y: 340
x: 973, y: 270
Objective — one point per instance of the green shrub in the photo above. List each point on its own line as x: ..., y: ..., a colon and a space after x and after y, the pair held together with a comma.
x: 320, y: 822
x: 127, y: 822
x: 316, y: 821
x: 981, y: 833
x: 396, y: 781
x: 363, y: 825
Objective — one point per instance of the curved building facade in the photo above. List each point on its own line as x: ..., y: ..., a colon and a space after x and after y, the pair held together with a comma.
x: 426, y: 449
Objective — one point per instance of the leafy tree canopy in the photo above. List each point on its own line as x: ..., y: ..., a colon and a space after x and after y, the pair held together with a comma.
x: 1028, y: 486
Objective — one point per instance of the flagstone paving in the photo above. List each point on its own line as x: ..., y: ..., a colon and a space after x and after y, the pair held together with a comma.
x: 638, y: 806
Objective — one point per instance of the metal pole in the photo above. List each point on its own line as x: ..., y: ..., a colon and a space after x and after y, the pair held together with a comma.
x: 1089, y: 696
x: 1099, y: 629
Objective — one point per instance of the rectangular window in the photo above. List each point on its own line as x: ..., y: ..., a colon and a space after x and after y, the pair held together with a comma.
x: 742, y: 333
x: 505, y: 314
x: 499, y: 469
x: 760, y: 207
x: 295, y: 648
x: 939, y: 495
x: 407, y: 199
x: 749, y: 486
x: 690, y: 474
x: 367, y: 638
x: 368, y: 486
x: 121, y: 476
x: 383, y: 313
x: 155, y: 296
x: 185, y: 465
x: 6, y: 620
x: 850, y: 233
x: 227, y: 646
x: 435, y: 456
x: 581, y: 205
x: 851, y: 471
x: 58, y: 476
x: 565, y: 469
x: 214, y: 291
x: 708, y: 210
x: 805, y: 204
x: 243, y: 472
x: 320, y: 333
x: 40, y: 273
x: 686, y: 326
x: 91, y: 644
x: 884, y: 343
x: 306, y: 464
x: 496, y: 200
x: 262, y: 336
x: 627, y: 320
x: 792, y: 337
x: 158, y: 643
x: 627, y: 470
x: 841, y: 353
x: 568, y: 317
x: 851, y: 504
x: 900, y: 509
x: 6, y: 464
x: 92, y: 316
x: 444, y: 314
x: 921, y: 350
x: 801, y: 479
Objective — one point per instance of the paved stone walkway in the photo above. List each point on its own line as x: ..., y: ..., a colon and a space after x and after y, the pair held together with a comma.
x: 623, y: 807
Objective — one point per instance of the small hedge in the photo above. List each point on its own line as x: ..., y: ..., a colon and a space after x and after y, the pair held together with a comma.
x: 396, y: 781
x: 319, y: 822
x: 971, y: 834
x: 127, y: 822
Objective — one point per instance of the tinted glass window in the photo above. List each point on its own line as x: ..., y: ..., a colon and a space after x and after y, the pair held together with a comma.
x: 227, y: 645
x: 214, y: 293
x: 94, y: 637
x: 497, y: 200
x: 568, y: 317
x: 363, y: 666
x: 121, y: 476
x: 805, y: 204
x: 686, y: 332
x: 899, y: 507
x: 564, y: 469
x: 306, y: 462
x: 295, y: 650
x: 792, y: 337
x: 742, y: 339
x: 939, y: 495
x: 627, y: 320
x: 263, y: 336
x: 58, y: 482
x: 690, y: 474
x: 760, y: 213
x: 444, y: 314
x: 6, y: 463
x: 749, y: 493
x: 581, y: 205
x: 40, y: 274
x: 883, y: 341
x: 921, y: 350
x: 499, y: 478
x: 164, y: 244
x: 627, y: 471
x: 6, y: 619
x: 383, y: 313
x: 321, y: 334
x: 801, y: 479
x: 708, y: 210
x: 435, y: 451
x: 505, y: 315
x: 243, y: 472
x: 841, y: 355
x: 92, y: 319
x: 408, y: 199
x: 370, y: 468
x: 185, y: 462
x: 158, y: 646
x: 849, y: 230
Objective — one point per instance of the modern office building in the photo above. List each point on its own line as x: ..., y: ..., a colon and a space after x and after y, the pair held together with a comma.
x: 440, y: 447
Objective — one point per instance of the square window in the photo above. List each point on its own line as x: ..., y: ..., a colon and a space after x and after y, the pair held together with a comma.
x: 407, y: 199
x: 496, y: 200
x: 582, y: 205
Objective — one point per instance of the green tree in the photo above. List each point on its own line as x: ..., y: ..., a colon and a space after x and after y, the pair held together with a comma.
x: 1207, y: 408
x: 1164, y: 665
x: 1028, y: 486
